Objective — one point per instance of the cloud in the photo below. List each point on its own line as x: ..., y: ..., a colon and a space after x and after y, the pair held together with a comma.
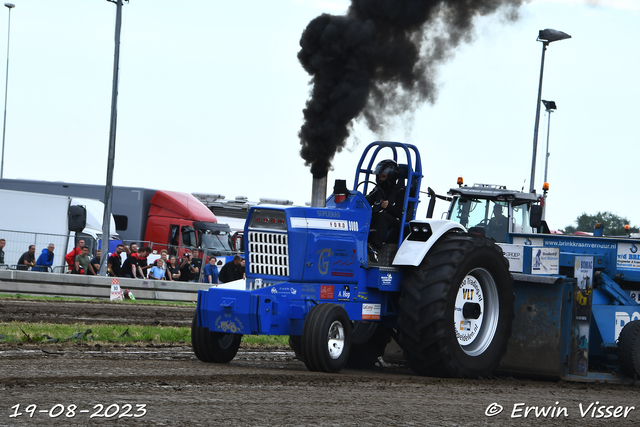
x: 633, y: 5
x: 327, y: 6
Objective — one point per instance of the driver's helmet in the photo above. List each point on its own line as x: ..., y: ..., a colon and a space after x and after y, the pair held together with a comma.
x: 388, y: 167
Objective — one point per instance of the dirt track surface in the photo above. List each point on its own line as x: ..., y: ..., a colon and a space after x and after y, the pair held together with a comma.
x: 261, y: 387
x: 94, y: 313
x: 270, y: 388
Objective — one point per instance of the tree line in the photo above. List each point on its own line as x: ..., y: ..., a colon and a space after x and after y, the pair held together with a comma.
x: 613, y: 225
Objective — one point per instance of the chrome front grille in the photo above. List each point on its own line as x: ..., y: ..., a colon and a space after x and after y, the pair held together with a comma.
x: 268, y: 253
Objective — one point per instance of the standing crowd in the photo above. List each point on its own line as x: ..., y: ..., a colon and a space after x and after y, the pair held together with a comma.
x: 133, y: 264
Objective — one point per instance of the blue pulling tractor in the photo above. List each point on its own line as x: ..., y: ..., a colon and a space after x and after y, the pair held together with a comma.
x: 446, y: 295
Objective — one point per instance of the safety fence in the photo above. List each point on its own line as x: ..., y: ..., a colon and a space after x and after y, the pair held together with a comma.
x: 53, y: 280
x: 18, y: 242
x: 71, y: 285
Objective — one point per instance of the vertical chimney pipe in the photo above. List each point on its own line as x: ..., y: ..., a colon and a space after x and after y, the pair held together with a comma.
x: 319, y: 192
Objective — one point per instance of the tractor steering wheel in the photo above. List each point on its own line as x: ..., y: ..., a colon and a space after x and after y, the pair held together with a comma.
x: 483, y: 223
x: 375, y: 186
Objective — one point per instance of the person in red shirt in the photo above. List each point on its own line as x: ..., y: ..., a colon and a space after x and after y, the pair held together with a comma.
x: 70, y: 258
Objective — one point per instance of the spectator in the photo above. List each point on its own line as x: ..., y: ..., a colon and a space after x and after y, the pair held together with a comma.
x: 157, y: 271
x: 165, y: 262
x: 197, y: 264
x: 71, y: 256
x: 173, y: 269
x: 134, y: 249
x: 114, y: 262
x: 83, y: 263
x: 95, y: 262
x: 142, y: 260
x: 45, y: 260
x: 242, y: 269
x: 231, y: 270
x: 211, y: 272
x: 2, y: 243
x: 130, y: 267
x: 28, y: 259
x: 188, y: 270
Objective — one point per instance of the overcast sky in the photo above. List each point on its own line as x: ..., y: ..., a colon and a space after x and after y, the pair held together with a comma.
x: 211, y: 98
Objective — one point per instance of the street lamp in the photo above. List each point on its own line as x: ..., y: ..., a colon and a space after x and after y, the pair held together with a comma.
x: 108, y: 188
x: 545, y: 36
x: 549, y: 106
x: 6, y: 86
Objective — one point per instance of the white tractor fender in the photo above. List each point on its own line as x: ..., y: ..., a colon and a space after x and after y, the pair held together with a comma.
x: 418, y: 243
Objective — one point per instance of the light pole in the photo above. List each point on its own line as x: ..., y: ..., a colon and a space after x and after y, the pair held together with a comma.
x: 549, y: 106
x: 108, y: 188
x: 545, y: 36
x: 6, y: 87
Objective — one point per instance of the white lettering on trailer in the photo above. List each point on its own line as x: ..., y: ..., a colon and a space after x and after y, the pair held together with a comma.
x: 622, y: 319
x: 514, y: 254
x: 628, y: 257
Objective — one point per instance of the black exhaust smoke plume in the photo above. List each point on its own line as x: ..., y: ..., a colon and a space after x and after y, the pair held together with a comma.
x: 378, y: 61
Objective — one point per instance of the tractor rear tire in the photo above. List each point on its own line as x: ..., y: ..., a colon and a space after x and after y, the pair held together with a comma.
x: 456, y: 308
x: 326, y: 338
x: 213, y: 347
x: 629, y: 349
x: 365, y: 353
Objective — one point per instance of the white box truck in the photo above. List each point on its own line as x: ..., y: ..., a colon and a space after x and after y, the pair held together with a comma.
x: 40, y: 219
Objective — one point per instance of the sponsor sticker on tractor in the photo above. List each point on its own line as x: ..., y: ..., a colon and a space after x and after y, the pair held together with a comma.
x: 326, y: 292
x: 371, y: 311
x: 469, y: 310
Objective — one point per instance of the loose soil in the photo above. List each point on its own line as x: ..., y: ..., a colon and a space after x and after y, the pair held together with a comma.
x: 116, y: 313
x: 270, y: 387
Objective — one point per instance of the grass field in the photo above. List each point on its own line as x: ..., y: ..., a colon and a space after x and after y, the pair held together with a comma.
x: 96, y: 300
x: 14, y: 332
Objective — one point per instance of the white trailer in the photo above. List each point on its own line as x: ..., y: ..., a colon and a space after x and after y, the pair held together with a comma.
x: 40, y: 219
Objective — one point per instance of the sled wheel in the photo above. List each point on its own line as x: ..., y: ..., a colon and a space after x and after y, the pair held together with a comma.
x: 629, y: 349
x: 295, y: 342
x: 326, y: 338
x: 366, y: 350
x: 456, y: 308
x: 213, y: 347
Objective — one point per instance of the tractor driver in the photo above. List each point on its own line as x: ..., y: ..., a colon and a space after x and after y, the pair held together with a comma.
x: 386, y: 201
x: 497, y: 226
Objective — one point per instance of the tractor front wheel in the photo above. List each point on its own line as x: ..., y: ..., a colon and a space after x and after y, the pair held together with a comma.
x: 326, y: 338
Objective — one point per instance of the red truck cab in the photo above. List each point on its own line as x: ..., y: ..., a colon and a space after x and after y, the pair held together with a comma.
x: 181, y: 220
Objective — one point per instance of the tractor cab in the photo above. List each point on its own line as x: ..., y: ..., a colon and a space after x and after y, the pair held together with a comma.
x: 494, y: 211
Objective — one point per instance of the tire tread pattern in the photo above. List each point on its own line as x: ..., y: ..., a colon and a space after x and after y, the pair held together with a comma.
x: 629, y: 349
x: 207, y: 345
x: 426, y: 298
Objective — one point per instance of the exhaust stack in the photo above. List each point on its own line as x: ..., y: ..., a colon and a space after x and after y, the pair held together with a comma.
x: 319, y: 192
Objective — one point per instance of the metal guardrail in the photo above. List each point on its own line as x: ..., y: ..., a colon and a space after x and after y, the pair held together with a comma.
x: 41, y: 283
